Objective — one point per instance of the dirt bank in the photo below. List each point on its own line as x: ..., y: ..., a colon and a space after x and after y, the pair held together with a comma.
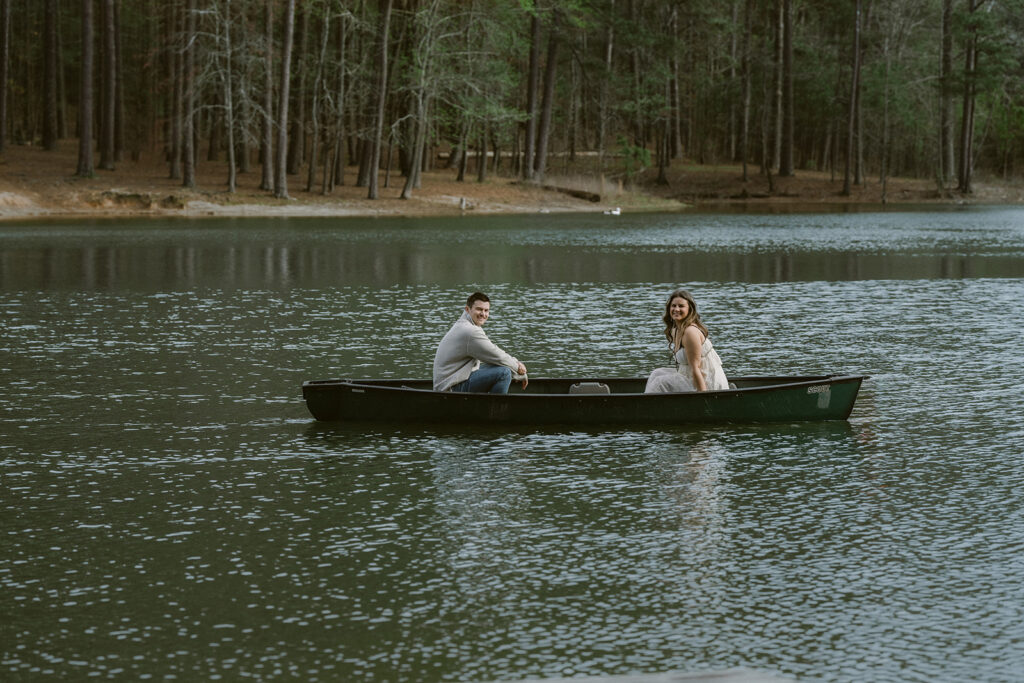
x: 36, y: 183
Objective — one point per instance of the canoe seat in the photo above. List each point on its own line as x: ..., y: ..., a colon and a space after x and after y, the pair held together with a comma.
x: 589, y: 388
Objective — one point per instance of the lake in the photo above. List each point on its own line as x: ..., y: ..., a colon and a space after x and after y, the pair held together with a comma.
x: 170, y: 510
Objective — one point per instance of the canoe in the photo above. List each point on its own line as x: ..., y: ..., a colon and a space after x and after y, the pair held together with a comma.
x: 586, y: 401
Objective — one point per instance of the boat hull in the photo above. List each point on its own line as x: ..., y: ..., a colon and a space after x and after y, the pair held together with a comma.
x: 549, y: 401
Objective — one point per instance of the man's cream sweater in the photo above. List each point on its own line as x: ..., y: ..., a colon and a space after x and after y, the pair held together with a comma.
x: 462, y: 350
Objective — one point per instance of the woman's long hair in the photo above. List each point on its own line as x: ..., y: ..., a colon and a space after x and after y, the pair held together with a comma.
x: 692, y: 318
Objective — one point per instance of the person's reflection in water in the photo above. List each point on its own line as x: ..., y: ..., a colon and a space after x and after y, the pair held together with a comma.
x: 689, y: 478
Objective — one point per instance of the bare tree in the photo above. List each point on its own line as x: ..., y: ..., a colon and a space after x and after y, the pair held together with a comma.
x: 602, y: 113
x: 851, y: 123
x: 318, y: 85
x: 337, y: 174
x: 746, y: 61
x: 947, y: 113
x: 267, y: 137
x: 550, y: 71
x: 118, y: 87
x: 532, y: 84
x: 297, y: 122
x: 51, y: 59
x: 5, y: 60
x: 188, y: 136
x: 229, y: 108
x: 786, y: 160
x: 382, y: 86
x: 966, y: 170
x: 109, y: 88
x: 85, y: 104
x: 675, y: 95
x: 423, y: 54
x: 281, y: 163
x: 177, y: 29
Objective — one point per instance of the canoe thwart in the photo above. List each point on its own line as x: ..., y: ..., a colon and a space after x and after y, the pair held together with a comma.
x: 589, y: 388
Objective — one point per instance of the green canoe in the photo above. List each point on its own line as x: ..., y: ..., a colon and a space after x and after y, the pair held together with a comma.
x: 586, y: 401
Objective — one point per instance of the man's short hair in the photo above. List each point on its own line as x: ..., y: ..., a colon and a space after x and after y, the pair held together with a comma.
x: 476, y: 296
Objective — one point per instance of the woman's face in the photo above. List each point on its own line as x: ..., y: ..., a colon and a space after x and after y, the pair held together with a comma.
x: 678, y: 309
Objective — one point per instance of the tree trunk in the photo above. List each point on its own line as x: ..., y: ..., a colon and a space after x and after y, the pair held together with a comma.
x: 119, y: 135
x: 851, y: 123
x: 786, y: 160
x: 51, y: 61
x: 24, y: 81
x: 5, y: 57
x: 884, y: 153
x: 382, y: 86
x: 338, y: 176
x: 835, y: 122
x: 297, y: 141
x: 745, y: 128
x: 242, y: 156
x: 365, y: 156
x: 109, y: 88
x: 967, y: 118
x: 777, y: 98
x: 267, y: 118
x: 281, y: 162
x: 62, y: 90
x: 766, y: 113
x: 416, y: 163
x: 639, y: 137
x: 602, y: 114
x: 315, y: 114
x: 229, y: 108
x: 572, y: 134
x: 677, y: 103
x: 481, y: 168
x: 177, y: 61
x: 734, y: 59
x: 550, y: 71
x: 464, y: 157
x: 216, y: 126
x: 947, y: 113
x: 532, y: 85
x: 663, y: 144
x: 188, y: 134
x: 85, y: 103
x: 423, y: 60
x: 495, y: 153
x: 387, y: 161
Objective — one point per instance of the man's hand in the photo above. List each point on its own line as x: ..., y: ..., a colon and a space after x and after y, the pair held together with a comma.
x: 522, y: 371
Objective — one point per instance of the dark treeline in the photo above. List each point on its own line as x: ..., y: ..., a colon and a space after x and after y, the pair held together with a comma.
x: 298, y: 90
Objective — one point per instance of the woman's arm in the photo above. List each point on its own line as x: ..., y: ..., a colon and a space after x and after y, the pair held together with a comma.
x: 693, y: 340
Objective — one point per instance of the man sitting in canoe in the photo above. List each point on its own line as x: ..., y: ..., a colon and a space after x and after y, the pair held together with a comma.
x: 467, y: 361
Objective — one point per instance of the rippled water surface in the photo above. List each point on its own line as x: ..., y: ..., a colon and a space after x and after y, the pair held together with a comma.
x: 169, y: 509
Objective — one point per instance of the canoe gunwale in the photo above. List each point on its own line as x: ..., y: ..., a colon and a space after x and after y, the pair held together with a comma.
x: 776, y: 382
x: 767, y: 399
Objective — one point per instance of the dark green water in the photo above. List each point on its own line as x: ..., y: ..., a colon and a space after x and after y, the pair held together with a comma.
x: 168, y: 508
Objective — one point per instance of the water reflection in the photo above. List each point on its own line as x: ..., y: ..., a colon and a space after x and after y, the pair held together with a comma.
x: 384, y: 264
x: 711, y: 248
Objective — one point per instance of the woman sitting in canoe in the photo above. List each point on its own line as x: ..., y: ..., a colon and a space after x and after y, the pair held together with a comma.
x: 698, y: 367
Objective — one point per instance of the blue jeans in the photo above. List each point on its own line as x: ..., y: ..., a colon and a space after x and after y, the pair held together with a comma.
x: 488, y: 378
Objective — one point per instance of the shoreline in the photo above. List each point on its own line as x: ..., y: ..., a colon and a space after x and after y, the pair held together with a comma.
x: 37, y: 185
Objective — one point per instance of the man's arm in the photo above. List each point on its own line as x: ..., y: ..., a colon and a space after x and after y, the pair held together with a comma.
x: 484, y: 350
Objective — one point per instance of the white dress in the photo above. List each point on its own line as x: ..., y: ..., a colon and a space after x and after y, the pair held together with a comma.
x: 680, y: 378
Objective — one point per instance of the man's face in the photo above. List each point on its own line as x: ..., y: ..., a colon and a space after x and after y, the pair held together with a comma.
x: 479, y: 312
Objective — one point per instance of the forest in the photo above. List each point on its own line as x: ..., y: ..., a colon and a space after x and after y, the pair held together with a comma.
x: 298, y: 90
